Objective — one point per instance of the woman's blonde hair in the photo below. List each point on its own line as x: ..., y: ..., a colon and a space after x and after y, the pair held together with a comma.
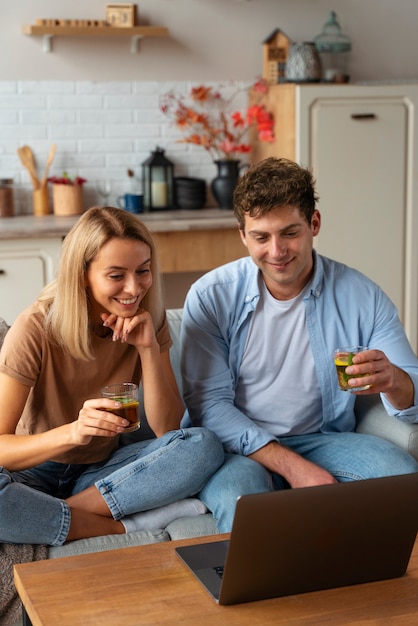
x: 65, y: 300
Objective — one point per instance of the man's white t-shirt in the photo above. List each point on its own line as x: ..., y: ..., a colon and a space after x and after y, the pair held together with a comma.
x: 278, y: 386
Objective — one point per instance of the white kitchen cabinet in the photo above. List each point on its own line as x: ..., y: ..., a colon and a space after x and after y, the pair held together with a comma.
x: 361, y: 143
x: 26, y: 265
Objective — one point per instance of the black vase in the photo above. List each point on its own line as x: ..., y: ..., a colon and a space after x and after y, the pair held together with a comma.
x: 224, y: 183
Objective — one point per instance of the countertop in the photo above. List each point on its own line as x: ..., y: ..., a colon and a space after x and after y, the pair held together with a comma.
x: 30, y: 227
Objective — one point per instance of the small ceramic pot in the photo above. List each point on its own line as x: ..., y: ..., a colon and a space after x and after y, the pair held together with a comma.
x: 303, y: 63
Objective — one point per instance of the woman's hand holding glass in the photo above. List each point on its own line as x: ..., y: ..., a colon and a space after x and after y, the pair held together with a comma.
x: 95, y: 421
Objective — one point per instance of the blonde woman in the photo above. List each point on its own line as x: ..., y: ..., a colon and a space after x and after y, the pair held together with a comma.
x: 63, y: 475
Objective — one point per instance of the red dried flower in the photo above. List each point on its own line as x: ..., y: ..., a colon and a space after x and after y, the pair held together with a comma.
x: 209, y: 122
x: 66, y: 180
x: 200, y: 94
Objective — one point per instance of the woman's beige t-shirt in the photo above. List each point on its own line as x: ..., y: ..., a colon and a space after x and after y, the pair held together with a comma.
x: 60, y: 384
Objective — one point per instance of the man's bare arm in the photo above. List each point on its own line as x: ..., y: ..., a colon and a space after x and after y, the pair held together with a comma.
x: 298, y: 472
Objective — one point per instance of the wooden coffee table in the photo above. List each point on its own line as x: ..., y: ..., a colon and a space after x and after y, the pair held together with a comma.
x: 150, y: 585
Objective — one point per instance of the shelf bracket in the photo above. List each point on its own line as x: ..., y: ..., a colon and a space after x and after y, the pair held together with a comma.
x: 47, y: 43
x: 135, y: 47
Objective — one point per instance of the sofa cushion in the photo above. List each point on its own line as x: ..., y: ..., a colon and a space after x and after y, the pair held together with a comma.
x: 4, y: 327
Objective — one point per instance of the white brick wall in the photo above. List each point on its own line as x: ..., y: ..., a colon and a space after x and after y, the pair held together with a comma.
x: 101, y: 130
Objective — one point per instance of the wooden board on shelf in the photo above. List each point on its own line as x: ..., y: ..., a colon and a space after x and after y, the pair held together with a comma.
x: 96, y: 31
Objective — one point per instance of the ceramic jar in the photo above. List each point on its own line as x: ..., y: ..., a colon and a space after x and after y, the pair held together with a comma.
x: 6, y: 197
x: 225, y: 181
x: 303, y: 63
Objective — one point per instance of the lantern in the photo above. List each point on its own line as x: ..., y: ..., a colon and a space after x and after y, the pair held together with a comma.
x: 157, y: 179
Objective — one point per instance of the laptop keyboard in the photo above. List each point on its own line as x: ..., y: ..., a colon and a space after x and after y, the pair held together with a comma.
x: 219, y: 570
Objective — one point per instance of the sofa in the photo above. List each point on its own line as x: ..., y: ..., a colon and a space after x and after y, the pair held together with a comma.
x: 371, y: 419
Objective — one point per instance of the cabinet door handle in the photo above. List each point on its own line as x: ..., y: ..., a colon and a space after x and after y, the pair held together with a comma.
x: 363, y: 116
x: 2, y: 272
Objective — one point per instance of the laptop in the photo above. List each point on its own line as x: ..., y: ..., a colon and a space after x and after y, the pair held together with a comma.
x: 299, y: 540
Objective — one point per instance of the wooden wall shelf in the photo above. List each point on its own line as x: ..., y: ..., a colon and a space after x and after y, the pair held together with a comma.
x: 135, y: 33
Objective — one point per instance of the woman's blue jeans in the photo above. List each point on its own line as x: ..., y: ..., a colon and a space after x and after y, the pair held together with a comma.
x: 137, y: 477
x: 347, y: 456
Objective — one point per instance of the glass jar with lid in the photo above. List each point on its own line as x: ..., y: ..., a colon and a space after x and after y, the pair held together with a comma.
x: 334, y: 49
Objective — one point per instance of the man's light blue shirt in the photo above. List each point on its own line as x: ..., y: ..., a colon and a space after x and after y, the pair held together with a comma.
x: 343, y: 307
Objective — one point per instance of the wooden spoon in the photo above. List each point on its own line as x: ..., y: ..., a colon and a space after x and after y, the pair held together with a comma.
x: 31, y: 159
x: 51, y: 156
x: 28, y: 164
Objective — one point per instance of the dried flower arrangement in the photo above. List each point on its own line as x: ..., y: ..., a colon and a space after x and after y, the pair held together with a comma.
x: 210, y: 121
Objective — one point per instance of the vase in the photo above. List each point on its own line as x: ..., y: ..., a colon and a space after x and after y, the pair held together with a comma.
x: 303, y: 64
x: 67, y: 199
x: 225, y: 181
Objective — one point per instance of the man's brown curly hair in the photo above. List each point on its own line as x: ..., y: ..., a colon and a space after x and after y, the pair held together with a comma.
x: 273, y: 183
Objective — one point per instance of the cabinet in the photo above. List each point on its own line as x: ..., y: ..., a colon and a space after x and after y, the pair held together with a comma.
x: 185, y: 255
x: 361, y: 144
x: 26, y: 265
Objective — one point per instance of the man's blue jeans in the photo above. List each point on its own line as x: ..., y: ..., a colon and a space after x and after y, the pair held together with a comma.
x: 347, y: 456
x: 137, y: 477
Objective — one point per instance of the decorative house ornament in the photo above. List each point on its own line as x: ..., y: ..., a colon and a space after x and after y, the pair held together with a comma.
x: 334, y: 48
x: 121, y: 15
x: 275, y: 51
x: 157, y: 181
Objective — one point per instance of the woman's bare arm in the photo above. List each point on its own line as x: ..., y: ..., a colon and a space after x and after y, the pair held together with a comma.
x: 19, y: 452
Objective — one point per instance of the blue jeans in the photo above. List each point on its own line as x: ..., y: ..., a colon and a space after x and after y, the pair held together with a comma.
x: 347, y: 456
x: 137, y: 477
